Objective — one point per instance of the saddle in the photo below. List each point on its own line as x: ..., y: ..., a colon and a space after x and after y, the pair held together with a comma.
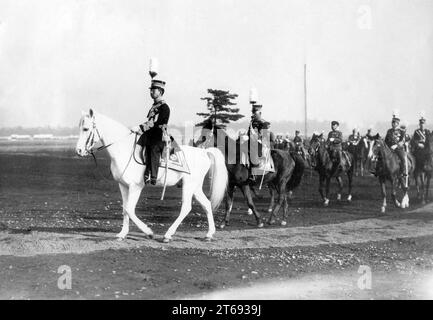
x: 176, y: 157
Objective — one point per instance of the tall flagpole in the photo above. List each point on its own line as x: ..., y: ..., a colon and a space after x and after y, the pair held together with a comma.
x: 305, y: 101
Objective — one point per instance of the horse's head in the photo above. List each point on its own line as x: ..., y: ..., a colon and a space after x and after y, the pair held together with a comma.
x: 375, y: 146
x: 89, y: 134
x: 313, y: 149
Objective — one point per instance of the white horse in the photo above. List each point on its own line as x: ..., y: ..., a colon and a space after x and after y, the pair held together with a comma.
x: 120, y: 142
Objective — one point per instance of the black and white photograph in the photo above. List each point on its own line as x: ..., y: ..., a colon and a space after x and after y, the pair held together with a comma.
x: 217, y: 154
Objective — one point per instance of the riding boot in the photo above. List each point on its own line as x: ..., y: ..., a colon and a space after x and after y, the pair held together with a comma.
x: 147, y: 162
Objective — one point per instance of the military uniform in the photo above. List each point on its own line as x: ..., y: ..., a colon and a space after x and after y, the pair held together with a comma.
x: 299, y: 145
x: 369, y: 136
x: 258, y: 129
x: 419, y: 139
x: 334, y: 143
x: 153, y: 129
x: 395, y: 139
x: 354, y: 138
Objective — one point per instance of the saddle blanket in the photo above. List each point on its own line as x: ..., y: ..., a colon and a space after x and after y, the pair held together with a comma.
x: 176, y: 158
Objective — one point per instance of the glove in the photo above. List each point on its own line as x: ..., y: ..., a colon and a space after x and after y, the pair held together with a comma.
x: 394, y: 147
x: 166, y: 138
x: 420, y: 145
x: 331, y: 139
x: 244, y: 138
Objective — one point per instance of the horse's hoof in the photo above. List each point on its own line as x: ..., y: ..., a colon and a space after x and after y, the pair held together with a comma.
x: 382, y: 210
x: 339, y: 197
x: 207, y: 239
x: 271, y: 222
x: 423, y: 202
x: 326, y: 203
x: 283, y: 223
x: 222, y: 225
x: 150, y: 236
x: 249, y: 212
x: 166, y: 240
x: 260, y: 225
x: 120, y: 238
x: 349, y: 198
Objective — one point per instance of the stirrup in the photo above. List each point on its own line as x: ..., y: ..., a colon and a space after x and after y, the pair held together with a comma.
x: 147, y: 180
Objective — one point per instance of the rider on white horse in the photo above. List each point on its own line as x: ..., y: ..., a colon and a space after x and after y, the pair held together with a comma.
x: 154, y: 131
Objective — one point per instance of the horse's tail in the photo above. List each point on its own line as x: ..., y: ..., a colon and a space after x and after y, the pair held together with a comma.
x: 298, y: 172
x: 219, y: 177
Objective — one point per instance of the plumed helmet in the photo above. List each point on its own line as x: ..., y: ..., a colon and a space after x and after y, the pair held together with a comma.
x: 254, y: 97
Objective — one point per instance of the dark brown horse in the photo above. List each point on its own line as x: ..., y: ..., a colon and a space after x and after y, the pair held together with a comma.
x: 321, y: 161
x: 359, y: 153
x: 289, y: 169
x: 388, y: 169
x: 424, y: 168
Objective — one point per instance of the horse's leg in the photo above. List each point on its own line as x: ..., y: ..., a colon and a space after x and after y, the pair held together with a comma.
x: 328, y: 183
x: 382, y: 182
x: 281, y: 189
x: 356, y: 164
x: 405, y: 199
x: 133, y: 196
x: 427, y: 187
x: 247, y: 193
x: 340, y: 187
x: 229, y: 205
x: 286, y: 209
x: 394, y: 185
x: 322, y: 187
x: 272, y: 192
x: 187, y: 192
x: 350, y: 180
x: 416, y: 178
x: 125, y: 226
x: 201, y: 198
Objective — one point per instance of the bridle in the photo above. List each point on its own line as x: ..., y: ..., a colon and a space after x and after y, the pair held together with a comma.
x: 91, y: 141
x: 313, y: 152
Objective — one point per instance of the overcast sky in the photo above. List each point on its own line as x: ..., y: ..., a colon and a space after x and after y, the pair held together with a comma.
x: 365, y: 58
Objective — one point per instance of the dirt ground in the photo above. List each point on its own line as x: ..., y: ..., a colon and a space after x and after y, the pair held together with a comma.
x: 58, y: 210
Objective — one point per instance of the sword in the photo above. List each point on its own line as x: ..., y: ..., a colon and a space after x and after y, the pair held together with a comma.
x: 166, y: 161
x: 263, y: 174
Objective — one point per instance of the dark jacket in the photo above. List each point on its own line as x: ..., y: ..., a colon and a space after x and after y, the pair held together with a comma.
x: 338, y: 139
x: 159, y: 114
x: 394, y: 136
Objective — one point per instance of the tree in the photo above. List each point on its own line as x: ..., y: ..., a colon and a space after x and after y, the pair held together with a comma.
x: 220, y: 112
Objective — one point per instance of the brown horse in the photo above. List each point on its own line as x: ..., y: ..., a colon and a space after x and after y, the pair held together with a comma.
x: 424, y: 168
x: 321, y: 161
x: 359, y: 153
x: 388, y: 169
x: 288, y: 174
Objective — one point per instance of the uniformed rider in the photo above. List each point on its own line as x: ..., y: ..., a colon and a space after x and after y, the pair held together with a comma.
x: 395, y: 140
x: 334, y: 143
x: 154, y: 131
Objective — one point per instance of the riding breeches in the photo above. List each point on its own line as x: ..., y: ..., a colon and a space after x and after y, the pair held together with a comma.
x: 153, y: 155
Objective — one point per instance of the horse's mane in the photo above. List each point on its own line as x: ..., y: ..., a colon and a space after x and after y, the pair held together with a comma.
x: 115, y: 126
